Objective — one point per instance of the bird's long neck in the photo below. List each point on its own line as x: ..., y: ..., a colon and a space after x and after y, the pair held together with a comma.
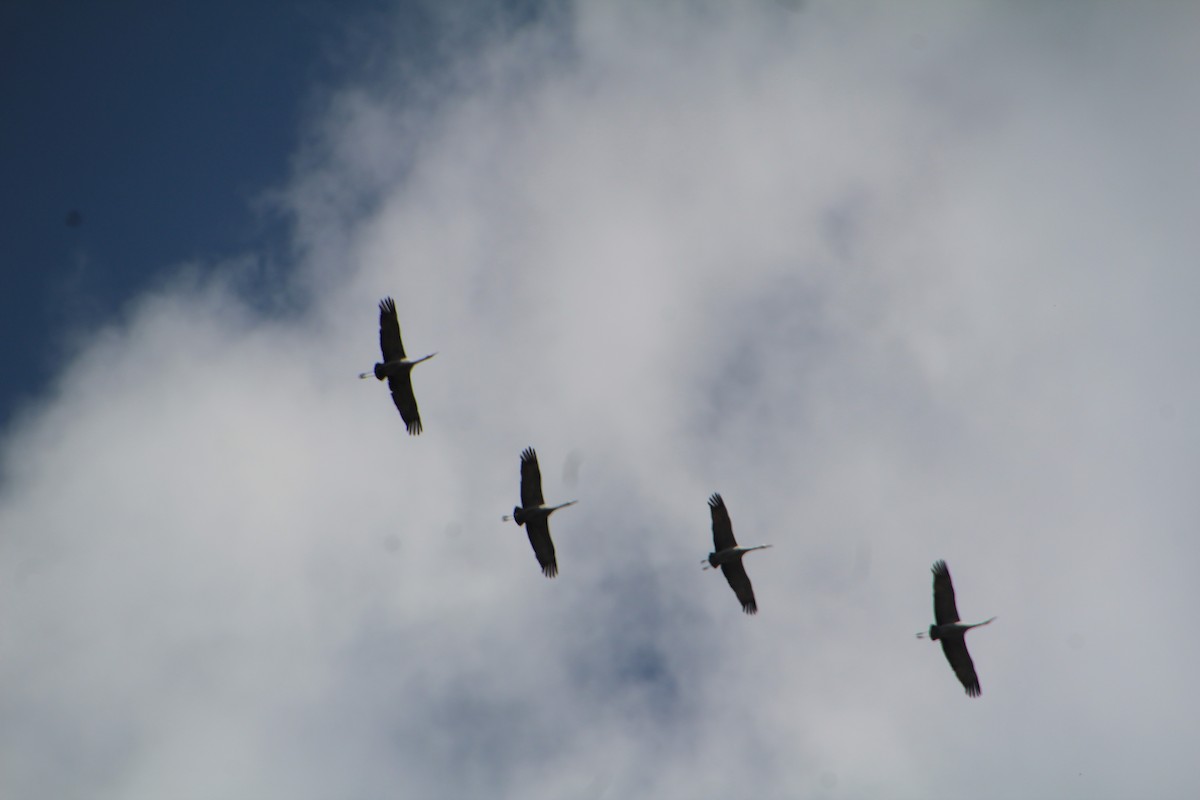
x: 978, y: 624
x: 426, y: 358
x: 564, y: 505
x: 755, y: 547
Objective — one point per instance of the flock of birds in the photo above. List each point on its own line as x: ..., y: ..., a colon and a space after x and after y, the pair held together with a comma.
x: 534, y: 515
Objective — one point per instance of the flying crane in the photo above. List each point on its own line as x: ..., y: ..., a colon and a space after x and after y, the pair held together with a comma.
x: 951, y: 632
x: 396, y: 367
x: 534, y: 514
x: 728, y: 556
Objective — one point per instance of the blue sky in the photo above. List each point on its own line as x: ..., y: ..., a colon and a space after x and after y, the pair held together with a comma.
x: 900, y: 286
x: 165, y: 125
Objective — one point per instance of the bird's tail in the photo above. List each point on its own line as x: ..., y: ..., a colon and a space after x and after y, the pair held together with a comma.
x: 517, y: 516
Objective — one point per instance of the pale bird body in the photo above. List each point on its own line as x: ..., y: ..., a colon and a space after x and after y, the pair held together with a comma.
x: 732, y: 554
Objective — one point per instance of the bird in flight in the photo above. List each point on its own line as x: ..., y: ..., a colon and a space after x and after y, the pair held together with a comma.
x: 534, y: 514
x: 396, y: 367
x: 951, y: 632
x: 728, y: 556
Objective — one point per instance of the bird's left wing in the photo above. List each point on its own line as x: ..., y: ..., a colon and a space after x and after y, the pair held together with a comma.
x: 739, y: 581
x: 543, y: 546
x: 955, y: 648
x: 406, y: 401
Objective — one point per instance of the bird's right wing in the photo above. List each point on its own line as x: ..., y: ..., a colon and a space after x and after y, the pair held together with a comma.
x: 955, y: 648
x: 406, y: 401
x: 739, y: 581
x: 543, y: 547
x: 722, y: 527
x: 531, y: 482
x: 944, y: 610
x: 389, y: 331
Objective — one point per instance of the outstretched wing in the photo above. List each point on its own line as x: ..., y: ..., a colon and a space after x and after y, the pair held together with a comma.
x: 406, y: 401
x: 543, y: 547
x: 739, y: 581
x: 723, y: 533
x: 531, y: 489
x: 955, y: 648
x: 389, y: 333
x: 944, y: 610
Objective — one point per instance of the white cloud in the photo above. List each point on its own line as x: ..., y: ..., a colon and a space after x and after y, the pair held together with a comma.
x: 900, y: 288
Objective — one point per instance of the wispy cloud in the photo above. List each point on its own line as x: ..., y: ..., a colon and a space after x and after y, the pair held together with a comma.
x: 901, y: 287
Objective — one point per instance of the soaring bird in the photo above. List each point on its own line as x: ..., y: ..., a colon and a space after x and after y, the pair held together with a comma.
x: 728, y: 556
x: 534, y: 514
x: 395, y: 367
x: 950, y: 631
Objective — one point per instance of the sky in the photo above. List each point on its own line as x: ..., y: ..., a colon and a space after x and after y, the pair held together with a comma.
x: 162, y: 127
x: 900, y: 286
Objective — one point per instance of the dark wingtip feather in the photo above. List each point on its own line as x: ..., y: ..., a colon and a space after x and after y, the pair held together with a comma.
x: 715, y: 501
x: 528, y: 455
x: 550, y: 570
x: 940, y: 569
x: 750, y: 608
x: 414, y: 428
x: 387, y: 306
